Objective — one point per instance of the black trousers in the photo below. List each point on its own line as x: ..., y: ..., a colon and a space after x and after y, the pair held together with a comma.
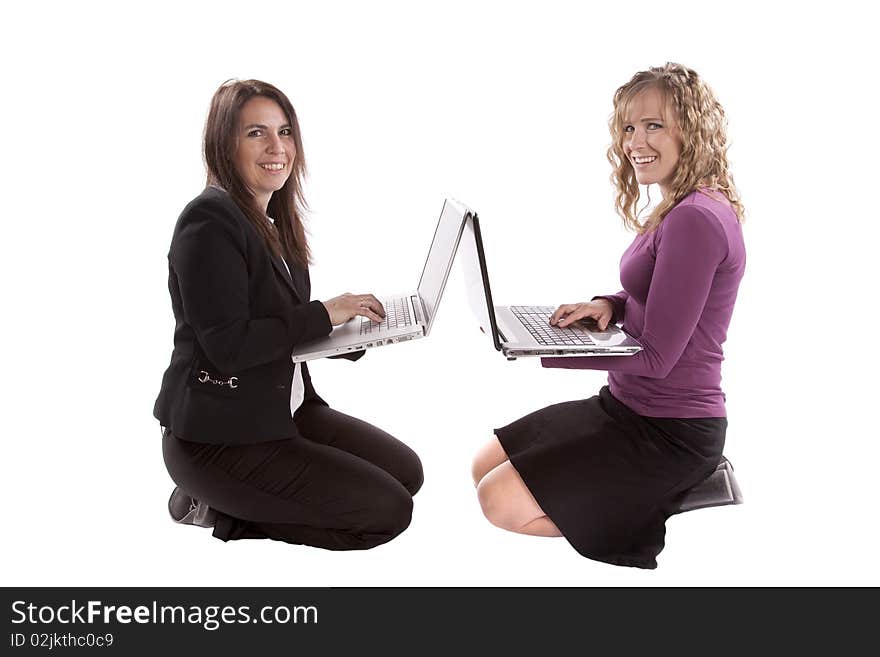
x: 344, y: 485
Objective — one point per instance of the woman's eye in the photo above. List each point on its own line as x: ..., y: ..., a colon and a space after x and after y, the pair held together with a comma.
x: 628, y: 128
x: 255, y: 133
x: 654, y: 126
x: 286, y: 132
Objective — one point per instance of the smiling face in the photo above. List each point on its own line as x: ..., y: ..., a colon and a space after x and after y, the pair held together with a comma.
x: 266, y: 149
x: 651, y: 142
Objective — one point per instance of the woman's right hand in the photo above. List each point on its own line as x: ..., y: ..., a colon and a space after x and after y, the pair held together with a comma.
x: 601, y: 310
x: 345, y: 306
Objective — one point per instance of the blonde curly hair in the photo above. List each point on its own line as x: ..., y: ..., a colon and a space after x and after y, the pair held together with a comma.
x: 692, y: 107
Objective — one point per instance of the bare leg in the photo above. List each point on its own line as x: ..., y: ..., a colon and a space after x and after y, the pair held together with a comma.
x: 542, y: 526
x: 507, y: 503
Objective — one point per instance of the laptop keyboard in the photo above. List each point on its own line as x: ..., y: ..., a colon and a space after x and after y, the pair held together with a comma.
x: 397, y: 315
x: 537, y: 320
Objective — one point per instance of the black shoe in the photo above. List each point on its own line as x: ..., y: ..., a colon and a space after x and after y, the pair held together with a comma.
x: 718, y: 489
x: 187, y: 510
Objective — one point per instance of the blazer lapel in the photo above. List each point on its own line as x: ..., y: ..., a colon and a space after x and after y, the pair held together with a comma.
x: 302, y: 284
x: 282, y: 271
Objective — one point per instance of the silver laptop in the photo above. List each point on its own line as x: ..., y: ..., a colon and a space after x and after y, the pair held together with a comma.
x: 525, y: 330
x: 407, y: 316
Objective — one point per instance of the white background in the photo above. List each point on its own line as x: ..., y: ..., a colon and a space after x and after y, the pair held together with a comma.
x: 503, y: 106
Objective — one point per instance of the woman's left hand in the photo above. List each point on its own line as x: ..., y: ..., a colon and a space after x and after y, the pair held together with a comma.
x: 346, y: 306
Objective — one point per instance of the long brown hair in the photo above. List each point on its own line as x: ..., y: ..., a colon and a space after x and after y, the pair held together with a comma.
x: 287, y: 205
x: 692, y: 107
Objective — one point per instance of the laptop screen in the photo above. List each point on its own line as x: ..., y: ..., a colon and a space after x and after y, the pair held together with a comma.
x: 440, y: 257
x: 476, y: 278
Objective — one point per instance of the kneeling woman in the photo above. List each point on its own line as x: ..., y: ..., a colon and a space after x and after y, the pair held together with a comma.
x: 254, y: 451
x: 607, y: 472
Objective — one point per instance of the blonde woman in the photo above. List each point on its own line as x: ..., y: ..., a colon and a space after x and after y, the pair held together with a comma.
x: 607, y: 472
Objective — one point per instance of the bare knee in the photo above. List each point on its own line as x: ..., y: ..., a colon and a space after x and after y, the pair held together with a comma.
x: 478, y: 470
x: 490, y: 456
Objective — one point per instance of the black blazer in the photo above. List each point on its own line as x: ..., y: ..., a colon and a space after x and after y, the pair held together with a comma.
x: 238, y: 315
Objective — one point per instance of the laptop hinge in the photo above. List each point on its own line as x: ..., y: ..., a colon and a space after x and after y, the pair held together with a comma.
x: 419, y: 308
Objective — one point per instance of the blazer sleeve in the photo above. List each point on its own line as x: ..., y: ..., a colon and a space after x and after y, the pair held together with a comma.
x: 208, y: 256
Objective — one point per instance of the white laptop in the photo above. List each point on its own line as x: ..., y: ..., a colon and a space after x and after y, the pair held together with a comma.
x: 526, y: 330
x: 407, y: 316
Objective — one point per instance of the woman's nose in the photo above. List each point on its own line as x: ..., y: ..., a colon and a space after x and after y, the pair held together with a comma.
x: 637, y: 138
x: 275, y: 144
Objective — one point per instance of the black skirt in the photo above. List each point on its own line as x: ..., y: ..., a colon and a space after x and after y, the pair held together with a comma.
x: 608, y: 477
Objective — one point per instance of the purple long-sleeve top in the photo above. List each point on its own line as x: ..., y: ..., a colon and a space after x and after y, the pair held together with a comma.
x: 679, y: 287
